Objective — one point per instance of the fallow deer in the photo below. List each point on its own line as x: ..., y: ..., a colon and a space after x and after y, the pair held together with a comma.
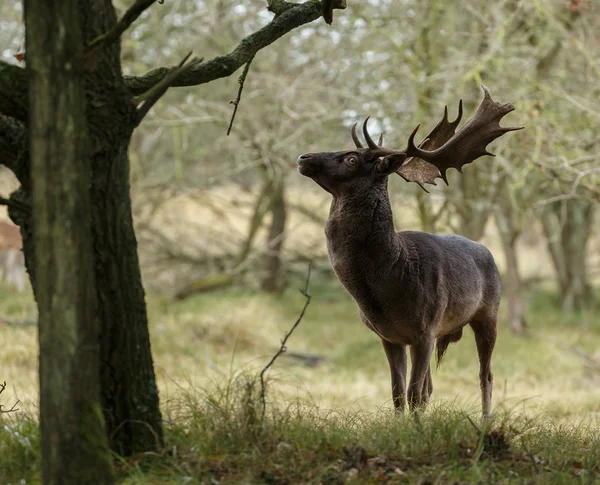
x: 12, y: 265
x: 412, y: 288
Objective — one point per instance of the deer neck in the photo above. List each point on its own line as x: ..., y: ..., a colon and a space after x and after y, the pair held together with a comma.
x: 361, y: 226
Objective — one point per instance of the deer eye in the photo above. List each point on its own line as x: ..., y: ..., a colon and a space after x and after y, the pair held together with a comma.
x: 351, y: 160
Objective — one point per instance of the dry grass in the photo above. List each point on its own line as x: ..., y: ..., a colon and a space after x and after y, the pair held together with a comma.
x: 202, y: 340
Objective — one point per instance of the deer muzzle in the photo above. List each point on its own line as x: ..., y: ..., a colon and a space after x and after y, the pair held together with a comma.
x: 308, y: 164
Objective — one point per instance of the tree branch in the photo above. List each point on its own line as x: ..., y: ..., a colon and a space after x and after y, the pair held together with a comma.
x: 13, y: 91
x: 121, y: 26
x: 288, y: 16
x: 223, y: 66
x: 155, y: 92
x: 279, y: 6
x: 11, y: 410
x: 236, y: 103
x: 17, y: 205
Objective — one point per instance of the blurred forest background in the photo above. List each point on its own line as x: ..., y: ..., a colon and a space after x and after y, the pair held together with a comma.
x: 226, y: 226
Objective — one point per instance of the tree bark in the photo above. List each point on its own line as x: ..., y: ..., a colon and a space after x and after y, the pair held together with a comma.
x: 74, y: 445
x: 129, y: 395
x: 271, y: 278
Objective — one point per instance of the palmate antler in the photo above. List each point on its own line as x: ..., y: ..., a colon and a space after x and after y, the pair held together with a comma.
x: 445, y: 148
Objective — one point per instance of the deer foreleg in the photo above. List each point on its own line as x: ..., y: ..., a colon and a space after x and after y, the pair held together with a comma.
x: 420, y: 354
x: 396, y: 354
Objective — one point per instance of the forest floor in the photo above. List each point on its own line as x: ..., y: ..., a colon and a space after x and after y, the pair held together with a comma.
x: 329, y: 416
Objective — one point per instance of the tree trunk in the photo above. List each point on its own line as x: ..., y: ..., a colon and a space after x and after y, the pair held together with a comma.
x: 472, y: 203
x: 74, y: 445
x: 567, y: 229
x: 129, y: 394
x: 514, y: 288
x: 271, y: 278
x: 426, y: 212
x: 510, y: 230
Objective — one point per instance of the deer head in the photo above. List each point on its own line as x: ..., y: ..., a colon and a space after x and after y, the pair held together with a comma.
x: 351, y: 171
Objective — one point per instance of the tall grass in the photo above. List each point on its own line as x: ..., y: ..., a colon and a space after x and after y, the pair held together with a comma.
x: 334, y: 423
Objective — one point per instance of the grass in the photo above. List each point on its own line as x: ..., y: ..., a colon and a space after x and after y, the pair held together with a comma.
x: 333, y: 423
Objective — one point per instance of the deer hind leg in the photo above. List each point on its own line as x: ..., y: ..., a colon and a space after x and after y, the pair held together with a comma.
x: 396, y: 355
x: 420, y: 354
x: 485, y: 338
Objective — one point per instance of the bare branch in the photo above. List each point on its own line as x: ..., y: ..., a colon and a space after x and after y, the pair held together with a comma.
x: 156, y: 92
x: 283, y: 348
x: 574, y: 183
x: 327, y: 7
x: 121, y: 26
x: 223, y: 66
x: 279, y: 6
x: 17, y: 205
x: 14, y: 407
x: 288, y: 16
x: 236, y: 103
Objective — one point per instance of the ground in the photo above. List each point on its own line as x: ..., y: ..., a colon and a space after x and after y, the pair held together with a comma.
x: 334, y: 423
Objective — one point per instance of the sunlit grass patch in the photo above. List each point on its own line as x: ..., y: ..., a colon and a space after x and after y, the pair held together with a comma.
x: 216, y: 436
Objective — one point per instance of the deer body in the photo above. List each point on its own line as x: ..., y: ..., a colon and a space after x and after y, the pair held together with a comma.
x: 412, y: 288
x: 409, y: 283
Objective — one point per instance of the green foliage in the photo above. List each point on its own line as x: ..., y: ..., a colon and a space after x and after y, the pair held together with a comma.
x: 19, y: 449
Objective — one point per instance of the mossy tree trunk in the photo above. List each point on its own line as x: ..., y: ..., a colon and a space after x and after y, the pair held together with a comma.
x: 74, y: 443
x: 129, y: 395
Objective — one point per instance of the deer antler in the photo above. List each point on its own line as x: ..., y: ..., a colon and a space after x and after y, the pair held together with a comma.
x: 355, y: 137
x: 418, y: 170
x: 376, y: 149
x: 443, y: 148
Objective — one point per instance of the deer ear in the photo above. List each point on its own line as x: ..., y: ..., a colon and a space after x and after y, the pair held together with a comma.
x: 390, y: 163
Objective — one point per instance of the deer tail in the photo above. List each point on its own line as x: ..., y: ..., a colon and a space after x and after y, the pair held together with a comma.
x: 444, y: 341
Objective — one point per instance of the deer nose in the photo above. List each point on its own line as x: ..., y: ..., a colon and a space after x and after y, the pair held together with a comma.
x: 304, y: 157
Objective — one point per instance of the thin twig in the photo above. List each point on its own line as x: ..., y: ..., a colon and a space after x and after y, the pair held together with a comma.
x: 15, y: 204
x: 151, y: 96
x: 14, y: 407
x: 236, y: 103
x: 283, y: 348
x: 594, y: 191
x: 121, y: 26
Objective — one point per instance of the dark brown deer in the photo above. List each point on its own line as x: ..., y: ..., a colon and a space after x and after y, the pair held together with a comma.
x: 412, y: 288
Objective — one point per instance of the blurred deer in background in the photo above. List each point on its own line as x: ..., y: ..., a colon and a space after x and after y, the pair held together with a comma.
x: 12, y: 264
x: 412, y: 288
